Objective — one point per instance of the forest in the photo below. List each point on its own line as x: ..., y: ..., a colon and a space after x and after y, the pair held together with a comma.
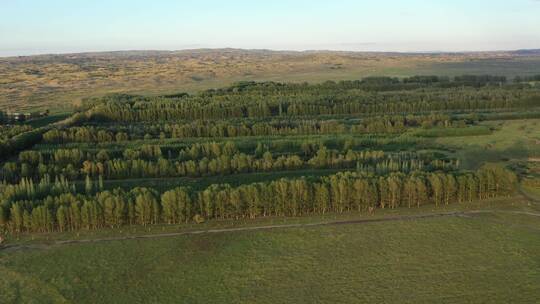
x: 378, y: 136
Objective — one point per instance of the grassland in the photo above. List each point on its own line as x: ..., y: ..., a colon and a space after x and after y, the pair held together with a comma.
x: 511, y: 140
x: 60, y: 81
x: 491, y: 257
x: 532, y: 192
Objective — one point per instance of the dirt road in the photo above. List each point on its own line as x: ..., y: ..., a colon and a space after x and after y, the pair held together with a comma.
x: 257, y: 228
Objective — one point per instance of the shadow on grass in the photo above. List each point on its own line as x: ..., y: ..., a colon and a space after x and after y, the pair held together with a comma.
x: 475, y: 157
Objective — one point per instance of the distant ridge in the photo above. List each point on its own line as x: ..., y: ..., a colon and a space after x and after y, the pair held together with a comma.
x: 529, y: 52
x: 61, y: 80
x: 202, y: 51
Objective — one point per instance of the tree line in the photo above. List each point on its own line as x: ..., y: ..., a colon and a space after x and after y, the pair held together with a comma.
x: 3, y: 117
x: 28, y: 137
x: 7, y: 132
x: 210, y: 159
x: 20, y: 142
x: 338, y: 193
x: 222, y: 129
x: 286, y: 100
x: 527, y: 78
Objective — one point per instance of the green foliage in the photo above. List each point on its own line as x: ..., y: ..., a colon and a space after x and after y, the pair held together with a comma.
x: 226, y: 128
x: 285, y: 197
x: 356, y: 140
x: 343, y: 98
x: 209, y: 159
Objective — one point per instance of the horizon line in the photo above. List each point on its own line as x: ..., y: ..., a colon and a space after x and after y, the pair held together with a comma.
x: 329, y: 50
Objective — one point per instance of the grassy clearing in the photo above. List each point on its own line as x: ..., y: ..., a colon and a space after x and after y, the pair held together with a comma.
x: 449, y: 132
x: 533, y: 192
x: 486, y: 258
x: 510, y: 140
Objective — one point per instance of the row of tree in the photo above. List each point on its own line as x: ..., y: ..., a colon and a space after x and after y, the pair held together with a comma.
x: 19, y: 142
x: 26, y: 189
x: 287, y: 100
x: 9, y: 131
x: 527, y: 78
x: 74, y: 164
x: 201, y: 128
x: 27, y: 137
x: 337, y: 193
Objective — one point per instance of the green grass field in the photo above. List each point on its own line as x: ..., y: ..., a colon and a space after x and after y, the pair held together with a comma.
x: 532, y: 192
x: 510, y: 140
x: 483, y: 258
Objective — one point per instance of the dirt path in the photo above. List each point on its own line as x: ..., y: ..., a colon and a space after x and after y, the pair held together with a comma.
x: 15, y: 247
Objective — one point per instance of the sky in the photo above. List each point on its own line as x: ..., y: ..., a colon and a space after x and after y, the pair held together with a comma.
x: 64, y: 26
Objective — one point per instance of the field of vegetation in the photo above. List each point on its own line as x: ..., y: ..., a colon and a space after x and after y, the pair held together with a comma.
x: 419, y: 189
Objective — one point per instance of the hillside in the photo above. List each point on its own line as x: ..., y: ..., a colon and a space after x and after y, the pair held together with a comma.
x: 59, y: 81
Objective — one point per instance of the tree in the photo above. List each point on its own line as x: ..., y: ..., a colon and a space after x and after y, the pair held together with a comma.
x: 143, y: 208
x: 109, y: 206
x: 169, y: 203
x: 16, y: 212
x: 436, y: 187
x: 61, y: 218
x: 88, y: 186
x: 395, y: 190
x: 47, y: 206
x: 322, y: 198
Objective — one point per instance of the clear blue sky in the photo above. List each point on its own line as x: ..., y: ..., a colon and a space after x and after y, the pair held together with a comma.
x: 58, y: 26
